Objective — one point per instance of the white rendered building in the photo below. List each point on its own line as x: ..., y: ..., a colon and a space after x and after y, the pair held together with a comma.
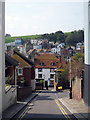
x: 46, y: 64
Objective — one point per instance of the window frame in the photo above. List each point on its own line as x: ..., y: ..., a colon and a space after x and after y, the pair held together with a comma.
x: 20, y: 74
x: 39, y: 77
x: 52, y: 70
x: 40, y: 69
x: 53, y: 76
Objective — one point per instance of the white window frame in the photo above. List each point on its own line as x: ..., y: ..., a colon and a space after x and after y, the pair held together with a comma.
x: 40, y: 69
x: 52, y: 70
x: 39, y: 77
x: 20, y: 73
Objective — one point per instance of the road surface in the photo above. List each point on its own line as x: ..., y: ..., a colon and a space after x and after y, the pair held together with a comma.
x: 46, y: 106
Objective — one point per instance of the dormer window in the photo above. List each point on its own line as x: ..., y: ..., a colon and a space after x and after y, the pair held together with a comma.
x: 42, y: 64
x: 52, y: 63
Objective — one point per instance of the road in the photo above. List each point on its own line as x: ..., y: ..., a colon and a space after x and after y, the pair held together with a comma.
x: 46, y: 106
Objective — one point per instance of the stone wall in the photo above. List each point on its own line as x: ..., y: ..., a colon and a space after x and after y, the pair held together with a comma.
x: 76, y: 89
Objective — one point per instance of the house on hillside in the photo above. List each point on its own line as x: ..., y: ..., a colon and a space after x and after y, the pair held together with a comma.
x: 56, y: 50
x: 45, y: 65
x: 18, y: 41
x: 26, y: 75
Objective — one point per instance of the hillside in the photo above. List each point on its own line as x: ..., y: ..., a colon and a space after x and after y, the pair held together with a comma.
x: 12, y: 39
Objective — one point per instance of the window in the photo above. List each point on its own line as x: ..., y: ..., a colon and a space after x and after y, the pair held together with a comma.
x: 52, y: 76
x: 20, y: 71
x: 51, y: 70
x: 39, y: 69
x: 39, y: 75
x: 52, y: 63
x: 42, y: 64
x: 51, y: 82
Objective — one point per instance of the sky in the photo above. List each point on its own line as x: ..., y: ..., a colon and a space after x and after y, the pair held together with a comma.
x: 30, y: 17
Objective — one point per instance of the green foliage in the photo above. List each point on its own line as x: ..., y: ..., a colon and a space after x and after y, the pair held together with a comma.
x: 77, y: 56
x: 63, y: 75
x: 70, y: 38
x: 12, y: 39
x: 41, y: 81
x: 74, y: 37
x: 8, y: 80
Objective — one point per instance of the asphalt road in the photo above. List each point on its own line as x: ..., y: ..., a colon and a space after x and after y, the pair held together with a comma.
x: 46, y: 106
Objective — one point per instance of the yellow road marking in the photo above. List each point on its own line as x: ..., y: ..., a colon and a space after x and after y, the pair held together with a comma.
x: 62, y: 110
x: 24, y: 112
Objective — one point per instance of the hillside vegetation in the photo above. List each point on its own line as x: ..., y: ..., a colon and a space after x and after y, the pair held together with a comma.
x: 70, y: 38
x: 12, y: 39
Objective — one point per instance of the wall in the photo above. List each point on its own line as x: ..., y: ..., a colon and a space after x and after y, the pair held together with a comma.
x: 26, y: 75
x: 76, y: 89
x: 86, y: 94
x: 33, y: 84
x: 2, y: 56
x: 45, y: 74
x: 23, y: 92
x: 10, y: 98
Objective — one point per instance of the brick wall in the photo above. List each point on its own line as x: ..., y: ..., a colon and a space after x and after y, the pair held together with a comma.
x: 23, y: 92
x: 26, y: 75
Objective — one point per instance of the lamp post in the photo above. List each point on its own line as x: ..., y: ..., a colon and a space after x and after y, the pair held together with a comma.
x: 70, y: 54
x: 70, y: 80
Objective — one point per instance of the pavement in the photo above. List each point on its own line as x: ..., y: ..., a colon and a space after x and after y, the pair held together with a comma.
x: 77, y: 108
x: 14, y: 109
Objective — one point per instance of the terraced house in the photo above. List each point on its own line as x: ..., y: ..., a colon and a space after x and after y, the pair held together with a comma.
x: 45, y: 65
x: 25, y: 75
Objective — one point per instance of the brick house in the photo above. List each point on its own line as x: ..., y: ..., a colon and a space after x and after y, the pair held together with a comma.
x: 45, y: 65
x: 10, y: 68
x: 25, y: 75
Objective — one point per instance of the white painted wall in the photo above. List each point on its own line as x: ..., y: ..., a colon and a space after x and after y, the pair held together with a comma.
x: 56, y: 50
x: 87, y: 32
x: 33, y: 84
x: 2, y: 54
x: 10, y: 98
x: 34, y: 41
x: 45, y: 74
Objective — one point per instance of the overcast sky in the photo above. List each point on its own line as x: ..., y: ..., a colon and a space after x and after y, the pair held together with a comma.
x: 29, y: 17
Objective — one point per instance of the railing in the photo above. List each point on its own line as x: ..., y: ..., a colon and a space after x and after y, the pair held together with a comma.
x: 9, y: 87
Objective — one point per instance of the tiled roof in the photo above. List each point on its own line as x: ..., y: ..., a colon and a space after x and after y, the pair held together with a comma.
x: 47, y: 59
x: 27, y: 60
x: 21, y: 61
x: 10, y: 61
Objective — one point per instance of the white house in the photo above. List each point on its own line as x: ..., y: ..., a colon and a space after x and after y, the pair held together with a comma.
x: 78, y: 46
x: 21, y: 48
x: 56, y: 50
x: 34, y: 41
x: 61, y: 45
x: 46, y: 63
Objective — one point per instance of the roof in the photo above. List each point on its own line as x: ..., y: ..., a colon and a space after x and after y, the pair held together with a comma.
x: 10, y: 61
x: 30, y: 62
x: 21, y: 61
x: 47, y: 59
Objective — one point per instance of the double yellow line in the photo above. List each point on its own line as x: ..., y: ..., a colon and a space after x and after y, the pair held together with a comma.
x: 23, y: 114
x: 62, y: 110
x: 27, y: 108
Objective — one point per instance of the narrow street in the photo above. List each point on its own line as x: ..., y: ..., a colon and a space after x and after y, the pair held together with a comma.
x: 46, y: 106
